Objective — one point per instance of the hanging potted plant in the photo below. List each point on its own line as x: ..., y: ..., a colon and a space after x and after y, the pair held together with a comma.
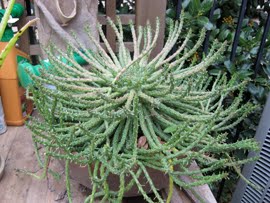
x: 129, y: 120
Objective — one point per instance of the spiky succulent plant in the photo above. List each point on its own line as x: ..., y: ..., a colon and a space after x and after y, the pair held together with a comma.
x: 129, y: 112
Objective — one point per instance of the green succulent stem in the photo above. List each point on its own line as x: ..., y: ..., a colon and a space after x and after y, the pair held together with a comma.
x: 129, y: 113
x: 15, y: 38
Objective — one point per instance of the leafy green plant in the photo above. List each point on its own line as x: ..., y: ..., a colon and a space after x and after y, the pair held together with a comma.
x: 15, y: 38
x: 223, y: 28
x: 98, y: 117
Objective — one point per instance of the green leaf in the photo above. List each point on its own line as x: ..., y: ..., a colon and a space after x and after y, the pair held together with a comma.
x: 238, y: 2
x: 261, y: 81
x: 267, y: 70
x: 215, y: 32
x: 202, y: 20
x: 256, y: 91
x: 230, y: 66
x: 254, y: 50
x: 209, y: 26
x: 124, y: 9
x: 217, y: 14
x: 242, y: 40
x: 230, y: 36
x: 206, y: 5
x: 223, y: 35
x: 194, y: 7
x: 171, y: 129
x: 170, y: 13
x: 245, y: 22
x: 185, y: 3
x: 244, y: 73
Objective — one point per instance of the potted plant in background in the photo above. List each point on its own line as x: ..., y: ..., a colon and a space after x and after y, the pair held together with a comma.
x: 15, y: 38
x: 129, y: 118
x: 3, y: 55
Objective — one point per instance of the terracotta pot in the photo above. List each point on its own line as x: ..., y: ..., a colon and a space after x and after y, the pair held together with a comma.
x: 2, y: 166
x: 160, y: 180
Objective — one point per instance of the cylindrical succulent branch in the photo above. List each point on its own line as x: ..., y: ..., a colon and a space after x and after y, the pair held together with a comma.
x: 128, y: 113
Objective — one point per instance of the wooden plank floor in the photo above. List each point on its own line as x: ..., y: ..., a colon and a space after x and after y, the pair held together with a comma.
x: 17, y: 187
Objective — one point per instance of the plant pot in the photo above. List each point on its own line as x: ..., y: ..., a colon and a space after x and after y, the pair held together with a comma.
x: 160, y: 180
x: 12, y: 95
x: 2, y: 166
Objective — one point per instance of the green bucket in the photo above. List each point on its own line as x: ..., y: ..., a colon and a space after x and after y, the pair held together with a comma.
x: 24, y: 66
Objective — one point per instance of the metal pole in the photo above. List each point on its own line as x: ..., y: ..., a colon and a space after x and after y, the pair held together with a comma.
x: 28, y: 7
x: 178, y: 9
x: 178, y: 13
x: 211, y: 15
x: 238, y: 29
x: 260, y: 52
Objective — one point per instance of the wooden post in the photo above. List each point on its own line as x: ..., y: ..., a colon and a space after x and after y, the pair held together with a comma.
x: 111, y: 12
x: 24, y: 41
x: 2, y: 4
x: 150, y: 10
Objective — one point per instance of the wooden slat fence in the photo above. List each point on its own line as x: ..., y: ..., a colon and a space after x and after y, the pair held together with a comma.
x: 144, y: 10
